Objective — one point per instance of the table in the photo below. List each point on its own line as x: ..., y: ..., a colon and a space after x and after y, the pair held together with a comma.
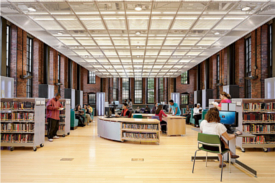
x: 176, y: 125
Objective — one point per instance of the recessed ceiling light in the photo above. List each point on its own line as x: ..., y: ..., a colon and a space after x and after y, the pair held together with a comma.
x: 137, y: 56
x: 137, y: 47
x: 138, y: 33
x: 86, y: 56
x: 60, y: 33
x: 200, y: 47
x: 217, y: 33
x: 138, y: 8
x: 246, y: 8
x: 31, y: 9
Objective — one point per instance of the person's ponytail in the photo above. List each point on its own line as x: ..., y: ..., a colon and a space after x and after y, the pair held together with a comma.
x: 226, y: 95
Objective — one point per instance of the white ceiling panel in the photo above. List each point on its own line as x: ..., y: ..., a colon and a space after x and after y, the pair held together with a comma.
x: 164, y: 39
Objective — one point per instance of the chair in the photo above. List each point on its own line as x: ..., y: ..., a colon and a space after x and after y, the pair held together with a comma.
x: 138, y: 116
x: 92, y: 115
x: 73, y: 120
x: 214, y: 141
x: 192, y: 120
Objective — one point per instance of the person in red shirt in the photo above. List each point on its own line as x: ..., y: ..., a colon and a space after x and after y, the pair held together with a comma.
x: 225, y: 98
x: 125, y: 112
x: 52, y: 114
x: 160, y: 113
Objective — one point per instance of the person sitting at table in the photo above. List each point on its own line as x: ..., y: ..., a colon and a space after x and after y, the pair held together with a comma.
x: 130, y: 105
x: 155, y: 108
x: 125, y: 112
x: 187, y: 114
x: 147, y: 109
x: 160, y: 113
x: 197, y: 114
x: 174, y: 107
x: 137, y: 110
x: 225, y: 98
x: 78, y: 115
x: 88, y: 114
x: 211, y: 125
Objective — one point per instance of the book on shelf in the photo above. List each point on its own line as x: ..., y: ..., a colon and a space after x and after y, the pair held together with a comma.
x: 17, y: 138
x: 261, y: 139
x: 139, y: 126
x: 17, y: 116
x: 270, y: 106
x: 14, y: 105
x: 140, y: 135
x: 252, y: 128
x: 260, y: 117
x: 17, y: 127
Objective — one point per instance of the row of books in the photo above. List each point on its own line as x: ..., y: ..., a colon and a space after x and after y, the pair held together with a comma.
x: 16, y: 127
x: 140, y: 135
x: 259, y: 106
x: 17, y: 116
x: 259, y: 128
x: 140, y: 126
x: 17, y: 138
x: 259, y: 117
x: 13, y: 105
x: 259, y: 140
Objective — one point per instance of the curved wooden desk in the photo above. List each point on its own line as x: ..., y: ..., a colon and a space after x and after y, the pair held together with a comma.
x: 176, y: 125
x: 121, y: 129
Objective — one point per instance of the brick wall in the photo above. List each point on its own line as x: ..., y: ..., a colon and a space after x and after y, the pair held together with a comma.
x: 13, y: 57
x: 264, y: 57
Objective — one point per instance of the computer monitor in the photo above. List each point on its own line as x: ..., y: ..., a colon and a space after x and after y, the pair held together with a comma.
x: 229, y: 118
x: 116, y: 102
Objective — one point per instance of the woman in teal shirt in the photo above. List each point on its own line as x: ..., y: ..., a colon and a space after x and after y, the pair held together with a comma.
x: 175, y: 108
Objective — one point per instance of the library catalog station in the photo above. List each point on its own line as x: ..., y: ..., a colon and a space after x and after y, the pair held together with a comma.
x: 125, y: 91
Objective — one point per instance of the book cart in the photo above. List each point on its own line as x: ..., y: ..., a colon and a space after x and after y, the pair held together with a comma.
x: 22, y: 122
x: 256, y: 116
x: 64, y: 123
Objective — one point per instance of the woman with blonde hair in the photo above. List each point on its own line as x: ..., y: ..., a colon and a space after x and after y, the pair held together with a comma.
x: 225, y: 98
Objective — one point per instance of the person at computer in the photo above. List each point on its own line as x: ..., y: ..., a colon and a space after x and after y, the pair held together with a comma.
x: 187, y: 114
x: 212, y: 125
x: 160, y: 113
x: 155, y: 108
x: 147, y: 109
x: 174, y: 107
x: 225, y: 98
x: 125, y: 112
x: 197, y: 114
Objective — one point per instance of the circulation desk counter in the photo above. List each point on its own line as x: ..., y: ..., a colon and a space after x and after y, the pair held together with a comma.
x: 176, y: 125
x: 121, y: 129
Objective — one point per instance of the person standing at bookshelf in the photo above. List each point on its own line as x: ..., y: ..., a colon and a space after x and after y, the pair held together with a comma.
x: 174, y: 107
x: 225, y: 98
x: 52, y: 113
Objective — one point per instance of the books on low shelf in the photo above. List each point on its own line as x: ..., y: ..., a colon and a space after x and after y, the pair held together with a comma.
x: 14, y: 105
x: 252, y: 128
x: 17, y: 116
x: 270, y: 106
x: 17, y: 138
x: 140, y: 126
x: 17, y: 127
x: 261, y: 139
x: 260, y: 117
x: 140, y: 135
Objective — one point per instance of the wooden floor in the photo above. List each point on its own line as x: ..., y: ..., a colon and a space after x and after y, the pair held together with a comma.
x: 100, y: 160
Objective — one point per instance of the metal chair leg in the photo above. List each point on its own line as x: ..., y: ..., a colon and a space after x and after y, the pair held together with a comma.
x: 222, y: 168
x: 206, y: 159
x: 194, y: 161
x: 229, y: 163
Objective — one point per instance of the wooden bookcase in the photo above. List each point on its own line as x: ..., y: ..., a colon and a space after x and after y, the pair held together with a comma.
x: 22, y: 122
x: 64, y: 123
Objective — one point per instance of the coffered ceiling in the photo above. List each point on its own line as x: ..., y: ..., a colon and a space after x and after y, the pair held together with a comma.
x: 145, y: 38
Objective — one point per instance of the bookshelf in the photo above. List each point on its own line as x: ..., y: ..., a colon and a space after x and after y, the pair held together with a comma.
x: 129, y: 129
x: 256, y: 116
x: 64, y: 123
x: 22, y: 123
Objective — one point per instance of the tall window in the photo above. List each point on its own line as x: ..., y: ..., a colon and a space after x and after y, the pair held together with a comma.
x: 218, y: 75
x: 115, y: 89
x: 138, y: 90
x: 91, y: 98
x: 8, y: 52
x: 150, y: 90
x: 270, y: 51
x: 184, y: 78
x: 29, y: 65
x: 161, y: 96
x: 125, y: 89
x: 248, y: 67
x: 91, y: 77
x: 184, y: 98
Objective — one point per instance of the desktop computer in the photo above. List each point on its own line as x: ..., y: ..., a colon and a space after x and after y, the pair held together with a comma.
x: 229, y: 119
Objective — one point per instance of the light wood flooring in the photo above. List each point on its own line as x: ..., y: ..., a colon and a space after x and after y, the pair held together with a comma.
x: 98, y: 160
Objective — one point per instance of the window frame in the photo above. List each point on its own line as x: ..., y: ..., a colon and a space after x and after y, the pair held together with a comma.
x: 127, y: 94
x: 29, y: 65
x: 185, y: 78
x: 150, y: 90
x: 8, y: 51
x: 160, y: 90
x: 181, y: 98
x: 248, y: 67
x: 270, y: 41
x: 115, y: 89
x: 91, y: 77
x: 218, y: 74
x: 138, y: 91
x: 89, y: 98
